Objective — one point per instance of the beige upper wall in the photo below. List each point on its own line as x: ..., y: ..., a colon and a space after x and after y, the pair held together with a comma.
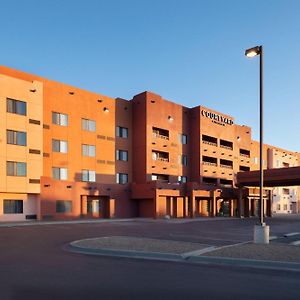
x: 32, y: 94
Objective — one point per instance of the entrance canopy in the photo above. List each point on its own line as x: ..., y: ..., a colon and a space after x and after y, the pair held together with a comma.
x: 272, y: 177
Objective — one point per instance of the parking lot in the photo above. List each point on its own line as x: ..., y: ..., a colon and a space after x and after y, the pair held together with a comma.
x: 34, y: 264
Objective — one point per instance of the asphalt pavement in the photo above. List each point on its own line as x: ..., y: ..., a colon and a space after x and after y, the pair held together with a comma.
x: 35, y: 265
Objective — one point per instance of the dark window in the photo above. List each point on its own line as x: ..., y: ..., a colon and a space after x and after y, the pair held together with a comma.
x: 59, y: 119
x: 183, y: 160
x: 122, y: 178
x: 122, y: 132
x: 16, y: 107
x: 63, y: 206
x: 88, y: 176
x: 14, y: 168
x: 16, y: 137
x: 182, y: 179
x: 13, y: 206
x: 122, y: 155
x: 182, y: 138
x: 210, y: 140
x: 60, y: 173
x: 226, y: 144
x: 160, y: 133
x: 59, y: 146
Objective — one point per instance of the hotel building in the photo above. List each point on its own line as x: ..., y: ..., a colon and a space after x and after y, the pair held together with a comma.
x: 69, y: 153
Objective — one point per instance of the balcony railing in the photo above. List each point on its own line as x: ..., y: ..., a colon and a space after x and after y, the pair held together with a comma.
x: 209, y: 163
x: 245, y: 155
x: 210, y: 143
x: 160, y: 136
x: 226, y: 166
x: 162, y: 159
x: 226, y: 147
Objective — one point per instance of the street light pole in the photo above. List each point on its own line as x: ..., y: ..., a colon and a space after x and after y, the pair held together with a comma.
x: 261, y: 134
x: 261, y: 232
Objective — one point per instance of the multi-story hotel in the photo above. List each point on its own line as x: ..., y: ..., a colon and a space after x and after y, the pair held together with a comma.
x: 70, y: 153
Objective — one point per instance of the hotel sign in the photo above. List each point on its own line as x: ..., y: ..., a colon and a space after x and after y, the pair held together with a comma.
x: 216, y: 118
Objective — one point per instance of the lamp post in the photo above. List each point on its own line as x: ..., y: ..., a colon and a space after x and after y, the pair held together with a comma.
x: 261, y: 232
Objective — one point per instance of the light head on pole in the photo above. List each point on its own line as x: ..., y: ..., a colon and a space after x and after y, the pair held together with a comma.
x: 253, y: 51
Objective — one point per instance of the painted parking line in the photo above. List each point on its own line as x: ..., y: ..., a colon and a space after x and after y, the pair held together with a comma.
x: 198, y: 252
x: 291, y: 234
x: 295, y: 243
x: 273, y: 237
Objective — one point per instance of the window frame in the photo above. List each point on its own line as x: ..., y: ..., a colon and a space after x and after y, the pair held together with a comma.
x: 58, y: 208
x: 19, y: 169
x: 60, y: 119
x: 120, y: 178
x: 17, y: 107
x: 86, y: 125
x: 13, y: 137
x: 58, y: 144
x: 183, y: 138
x: 122, y: 132
x: 17, y: 209
x: 120, y: 155
x: 86, y: 150
x: 89, y: 174
x: 61, y: 172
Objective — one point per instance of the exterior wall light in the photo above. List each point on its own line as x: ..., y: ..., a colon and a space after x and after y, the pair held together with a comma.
x: 106, y: 109
x: 170, y: 118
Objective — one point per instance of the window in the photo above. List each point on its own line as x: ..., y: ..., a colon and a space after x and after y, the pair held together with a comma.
x: 122, y: 132
x: 88, y: 150
x: 63, y: 206
x: 160, y: 177
x: 59, y: 146
x: 285, y: 207
x: 255, y: 160
x: 122, y: 178
x: 277, y: 163
x: 88, y: 125
x: 182, y: 179
x: 278, y: 206
x: 88, y: 176
x: 182, y: 159
x: 16, y: 107
x: 182, y: 138
x: 14, y: 168
x: 12, y: 206
x: 122, y: 155
x: 60, y: 173
x: 59, y: 119
x: 16, y: 137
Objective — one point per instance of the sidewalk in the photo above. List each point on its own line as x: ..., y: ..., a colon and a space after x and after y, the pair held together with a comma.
x: 272, y: 256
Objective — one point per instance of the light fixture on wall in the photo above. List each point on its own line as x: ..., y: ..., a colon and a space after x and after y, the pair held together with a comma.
x: 170, y: 118
x: 106, y: 109
x: 238, y: 138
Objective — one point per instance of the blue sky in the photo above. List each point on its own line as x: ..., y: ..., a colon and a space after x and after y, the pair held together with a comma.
x: 190, y: 52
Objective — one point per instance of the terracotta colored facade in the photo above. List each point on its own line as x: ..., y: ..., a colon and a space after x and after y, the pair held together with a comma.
x: 89, y: 155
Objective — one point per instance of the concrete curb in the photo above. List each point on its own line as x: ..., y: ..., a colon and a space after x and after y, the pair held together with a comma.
x: 41, y: 223
x: 243, y: 262
x: 208, y: 260
x: 123, y: 253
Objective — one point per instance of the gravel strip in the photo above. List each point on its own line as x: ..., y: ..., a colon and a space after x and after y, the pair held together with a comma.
x: 138, y: 244
x: 272, y: 252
